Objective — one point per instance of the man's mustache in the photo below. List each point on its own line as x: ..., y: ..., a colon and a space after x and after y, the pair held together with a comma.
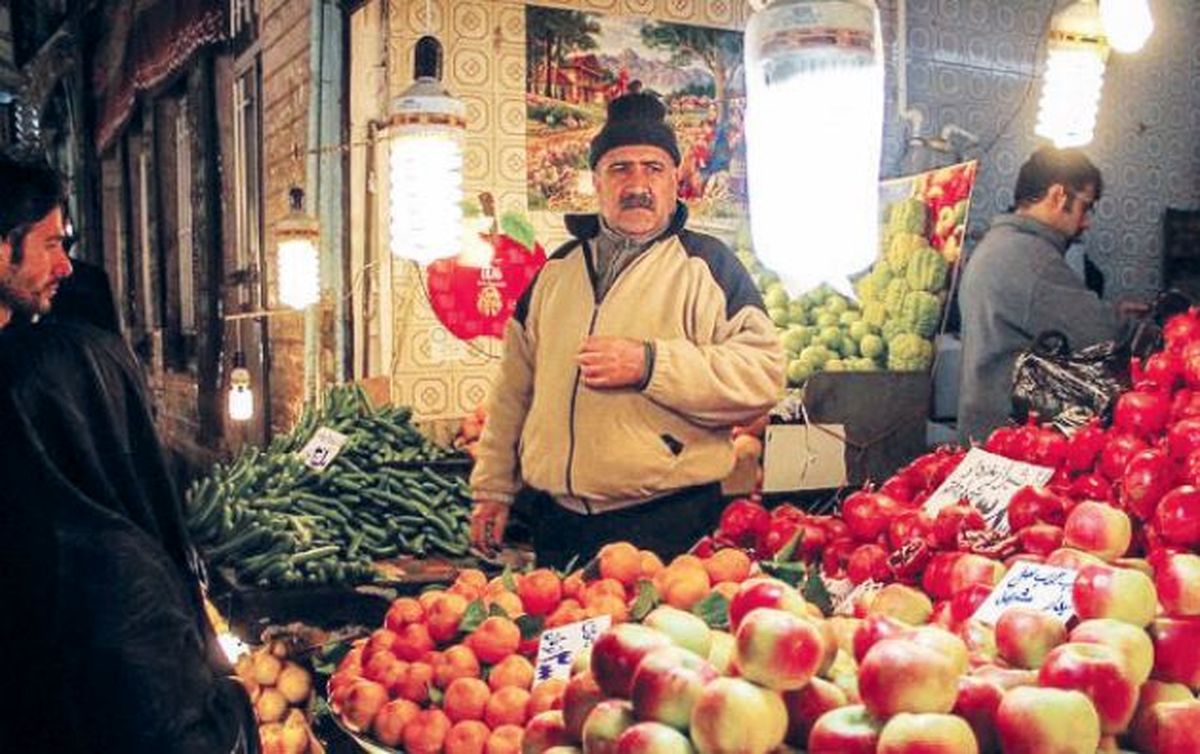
x: 637, y: 201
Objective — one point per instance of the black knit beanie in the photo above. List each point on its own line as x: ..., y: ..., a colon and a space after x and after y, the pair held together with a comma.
x: 634, y: 119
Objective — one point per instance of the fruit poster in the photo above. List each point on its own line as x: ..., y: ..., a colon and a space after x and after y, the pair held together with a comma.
x: 577, y: 62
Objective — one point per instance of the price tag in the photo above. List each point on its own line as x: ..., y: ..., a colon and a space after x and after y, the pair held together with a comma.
x: 322, y: 448
x: 989, y: 482
x: 558, y: 647
x: 1035, y: 585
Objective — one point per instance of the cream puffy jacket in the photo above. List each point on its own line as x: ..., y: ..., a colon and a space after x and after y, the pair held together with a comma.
x: 716, y: 362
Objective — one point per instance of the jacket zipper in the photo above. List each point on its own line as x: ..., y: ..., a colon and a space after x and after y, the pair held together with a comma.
x: 591, y: 271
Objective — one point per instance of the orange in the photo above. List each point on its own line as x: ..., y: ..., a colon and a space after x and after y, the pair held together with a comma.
x: 339, y: 685
x: 414, y: 642
x: 426, y: 732
x: 513, y: 670
x: 473, y: 577
x: 509, y: 602
x: 507, y: 706
x: 469, y: 592
x: 390, y: 722
x: 382, y: 640
x: 606, y: 604
x: 444, y: 615
x: 546, y: 696
x: 729, y: 564
x: 456, y: 662
x: 495, y: 639
x: 684, y: 587
x: 505, y: 740
x: 466, y: 699
x: 540, y: 591
x: 621, y: 561
x: 687, y: 560
x: 354, y: 658
x: 415, y: 682
x: 610, y: 587
x: 466, y: 737
x: 379, y: 666
x: 726, y: 589
x: 403, y: 611
x: 573, y: 585
x: 568, y: 611
x: 650, y: 564
x: 428, y: 598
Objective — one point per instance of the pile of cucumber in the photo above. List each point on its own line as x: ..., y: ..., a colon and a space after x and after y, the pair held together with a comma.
x: 278, y: 523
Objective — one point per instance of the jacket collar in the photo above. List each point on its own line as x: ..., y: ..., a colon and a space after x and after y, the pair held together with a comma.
x: 1024, y: 224
x: 587, y: 227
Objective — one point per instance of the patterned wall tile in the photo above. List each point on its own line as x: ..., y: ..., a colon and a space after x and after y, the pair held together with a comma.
x: 472, y: 20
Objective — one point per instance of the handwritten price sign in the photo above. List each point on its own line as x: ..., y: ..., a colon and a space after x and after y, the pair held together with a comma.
x: 1033, y: 585
x: 989, y: 482
x: 324, y: 446
x: 558, y: 647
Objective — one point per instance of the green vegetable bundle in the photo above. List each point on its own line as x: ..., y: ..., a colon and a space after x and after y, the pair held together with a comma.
x: 278, y: 523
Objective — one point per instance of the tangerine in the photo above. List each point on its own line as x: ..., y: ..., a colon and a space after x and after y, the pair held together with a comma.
x: 466, y: 699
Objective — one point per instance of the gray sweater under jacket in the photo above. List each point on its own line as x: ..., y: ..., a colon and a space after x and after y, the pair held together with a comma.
x: 1016, y: 285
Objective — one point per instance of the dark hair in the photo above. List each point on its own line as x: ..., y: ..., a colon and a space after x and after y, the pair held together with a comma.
x: 32, y: 190
x: 1049, y: 165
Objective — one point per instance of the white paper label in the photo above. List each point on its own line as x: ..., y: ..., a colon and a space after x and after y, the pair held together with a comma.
x: 558, y: 647
x: 1034, y: 585
x: 322, y: 448
x: 989, y: 482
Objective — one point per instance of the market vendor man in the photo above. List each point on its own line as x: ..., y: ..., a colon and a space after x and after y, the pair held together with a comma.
x: 627, y: 361
x: 1016, y: 284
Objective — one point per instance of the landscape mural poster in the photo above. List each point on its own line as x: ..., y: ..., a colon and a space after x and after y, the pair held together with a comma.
x: 579, y: 61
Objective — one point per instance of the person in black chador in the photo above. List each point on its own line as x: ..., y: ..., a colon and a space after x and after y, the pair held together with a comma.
x: 103, y: 638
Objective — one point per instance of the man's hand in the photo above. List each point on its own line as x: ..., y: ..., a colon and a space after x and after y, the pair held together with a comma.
x: 488, y: 521
x: 606, y: 362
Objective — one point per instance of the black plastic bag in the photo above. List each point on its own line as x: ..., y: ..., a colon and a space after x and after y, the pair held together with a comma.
x: 1069, y: 388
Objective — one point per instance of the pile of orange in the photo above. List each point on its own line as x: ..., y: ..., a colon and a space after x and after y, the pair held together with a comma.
x: 418, y: 683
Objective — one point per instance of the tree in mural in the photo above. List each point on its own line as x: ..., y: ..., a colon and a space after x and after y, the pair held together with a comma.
x: 551, y: 35
x: 718, y: 50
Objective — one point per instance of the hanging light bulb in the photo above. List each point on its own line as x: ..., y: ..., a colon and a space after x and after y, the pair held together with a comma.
x: 1127, y: 23
x: 427, y: 126
x: 814, y: 131
x: 297, y: 235
x: 1074, y: 76
x: 241, y: 397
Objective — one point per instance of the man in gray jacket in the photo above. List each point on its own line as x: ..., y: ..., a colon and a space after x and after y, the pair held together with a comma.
x: 1016, y: 285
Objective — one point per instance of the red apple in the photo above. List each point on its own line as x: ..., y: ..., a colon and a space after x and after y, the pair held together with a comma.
x: 579, y: 698
x: 1177, y: 650
x: 616, y: 654
x: 667, y: 683
x: 977, y: 702
x: 778, y: 649
x: 873, y: 630
x: 1036, y: 720
x: 1041, y: 539
x: 1151, y: 694
x: 1120, y: 593
x: 1005, y: 678
x: 1098, y: 528
x: 1025, y: 636
x: 1171, y: 728
x: 1177, y: 518
x: 974, y: 569
x: 763, y: 592
x: 683, y: 628
x: 1069, y: 557
x: 723, y: 653
x: 806, y: 704
x: 544, y: 730
x: 936, y: 578
x: 1099, y: 672
x: 1132, y: 642
x: 927, y: 733
x: 605, y: 724
x: 980, y: 639
x: 845, y: 730
x: 1177, y: 580
x: 940, y: 640
x: 651, y: 738
x: 899, y: 676
x: 735, y: 715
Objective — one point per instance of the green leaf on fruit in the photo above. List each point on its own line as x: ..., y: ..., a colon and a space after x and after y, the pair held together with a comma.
x: 436, y: 695
x: 508, y: 580
x: 496, y: 611
x: 647, y: 600
x: 713, y: 610
x: 530, y: 626
x: 792, y: 574
x: 475, y: 614
x: 517, y: 227
x: 591, y: 571
x: 815, y: 592
x: 785, y: 553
